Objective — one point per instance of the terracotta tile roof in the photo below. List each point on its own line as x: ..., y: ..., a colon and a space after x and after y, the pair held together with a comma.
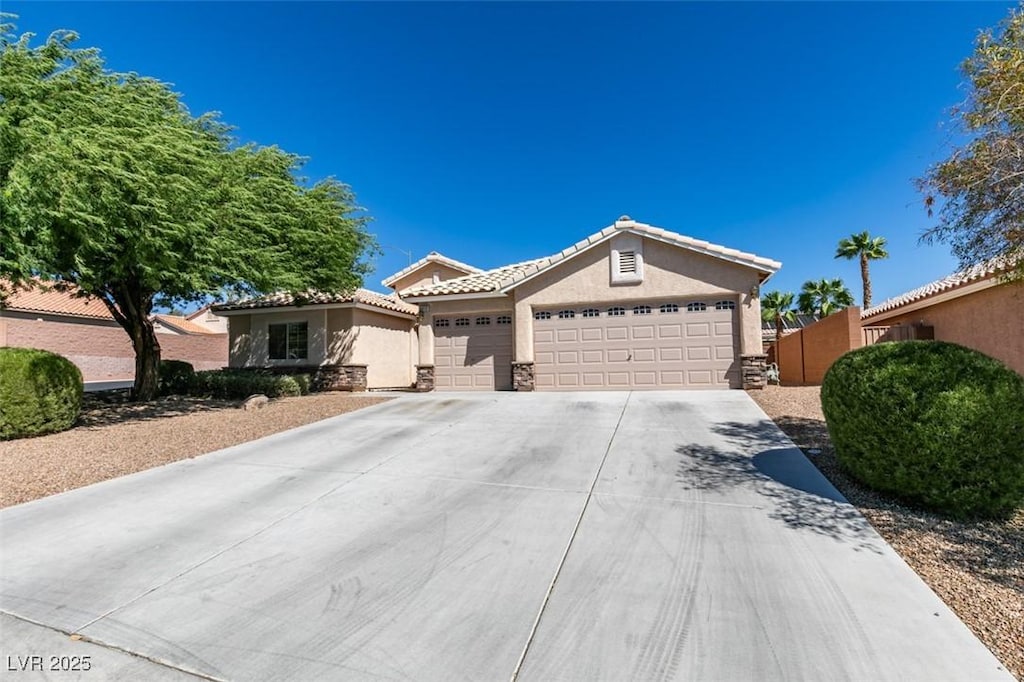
x: 509, y: 276
x: 281, y: 299
x: 972, y: 274
x: 432, y: 257
x: 182, y: 324
x: 482, y: 282
x: 46, y: 299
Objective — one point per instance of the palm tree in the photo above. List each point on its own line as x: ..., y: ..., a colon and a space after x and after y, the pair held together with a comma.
x: 824, y: 297
x: 865, y: 247
x: 777, y: 306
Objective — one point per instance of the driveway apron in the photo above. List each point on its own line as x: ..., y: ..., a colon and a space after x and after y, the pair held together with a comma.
x: 615, y: 536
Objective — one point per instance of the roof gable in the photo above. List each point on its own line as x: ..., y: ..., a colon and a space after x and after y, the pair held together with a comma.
x: 504, y: 279
x: 430, y: 259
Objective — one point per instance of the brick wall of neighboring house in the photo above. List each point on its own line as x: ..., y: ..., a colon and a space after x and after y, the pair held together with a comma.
x: 805, y: 355
x: 989, y: 321
x: 102, y: 350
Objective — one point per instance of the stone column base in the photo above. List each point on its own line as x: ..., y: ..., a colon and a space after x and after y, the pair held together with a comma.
x: 752, y: 370
x: 424, y: 378
x: 522, y: 376
x: 340, y: 378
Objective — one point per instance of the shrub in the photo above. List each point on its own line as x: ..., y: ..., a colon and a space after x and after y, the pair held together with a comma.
x: 932, y: 423
x: 176, y: 377
x: 40, y: 392
x: 239, y: 384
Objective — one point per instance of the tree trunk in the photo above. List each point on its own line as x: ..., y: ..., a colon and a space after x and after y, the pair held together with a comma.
x: 147, y: 362
x: 131, y: 307
x: 865, y: 279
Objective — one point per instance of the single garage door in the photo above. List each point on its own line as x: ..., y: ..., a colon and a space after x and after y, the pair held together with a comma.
x: 473, y: 352
x: 642, y: 345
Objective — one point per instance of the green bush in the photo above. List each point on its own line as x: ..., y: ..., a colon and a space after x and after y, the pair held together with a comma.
x: 176, y: 377
x: 40, y: 392
x: 240, y: 384
x: 934, y: 424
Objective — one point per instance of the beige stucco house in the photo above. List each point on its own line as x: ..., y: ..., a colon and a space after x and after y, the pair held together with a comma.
x: 630, y: 307
x: 975, y: 307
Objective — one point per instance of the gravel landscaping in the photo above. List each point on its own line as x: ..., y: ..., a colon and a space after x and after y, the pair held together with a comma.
x: 114, y: 438
x: 977, y: 568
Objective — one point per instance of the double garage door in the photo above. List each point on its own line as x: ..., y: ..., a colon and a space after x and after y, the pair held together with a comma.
x: 644, y: 345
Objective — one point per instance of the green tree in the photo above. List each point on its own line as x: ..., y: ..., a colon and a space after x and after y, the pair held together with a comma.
x: 866, y: 248
x: 981, y: 183
x: 823, y: 297
x: 777, y: 308
x: 107, y: 182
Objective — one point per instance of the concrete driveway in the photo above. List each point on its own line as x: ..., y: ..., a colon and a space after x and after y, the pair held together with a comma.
x: 602, y: 536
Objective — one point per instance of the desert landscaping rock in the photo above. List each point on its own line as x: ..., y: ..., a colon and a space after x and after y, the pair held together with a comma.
x: 115, y: 438
x: 976, y: 568
x: 255, y: 402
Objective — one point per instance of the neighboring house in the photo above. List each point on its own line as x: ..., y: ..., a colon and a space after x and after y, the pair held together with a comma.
x: 973, y: 307
x: 205, y: 317
x: 798, y: 322
x: 84, y: 331
x: 179, y: 324
x: 630, y: 307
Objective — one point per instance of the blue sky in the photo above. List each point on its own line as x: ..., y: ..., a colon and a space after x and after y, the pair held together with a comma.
x: 498, y: 132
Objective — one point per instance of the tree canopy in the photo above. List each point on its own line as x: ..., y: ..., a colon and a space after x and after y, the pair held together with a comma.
x: 823, y: 297
x: 108, y: 182
x: 979, y: 189
x: 863, y: 247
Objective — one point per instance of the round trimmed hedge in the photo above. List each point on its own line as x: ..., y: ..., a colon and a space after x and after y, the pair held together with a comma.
x: 40, y: 392
x: 176, y: 377
x: 935, y: 424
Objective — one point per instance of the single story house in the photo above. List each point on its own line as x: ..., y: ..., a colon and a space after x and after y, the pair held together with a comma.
x: 84, y: 331
x: 632, y: 306
x: 974, y: 307
x: 180, y: 324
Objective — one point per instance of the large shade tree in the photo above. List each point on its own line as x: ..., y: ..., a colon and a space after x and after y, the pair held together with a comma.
x: 978, y: 190
x: 865, y: 248
x: 109, y: 184
x: 823, y: 297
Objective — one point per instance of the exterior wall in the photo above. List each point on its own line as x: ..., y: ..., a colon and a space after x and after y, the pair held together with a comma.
x: 250, y: 346
x: 102, y: 350
x: 383, y: 344
x: 215, y: 323
x: 669, y: 272
x: 425, y: 275
x: 805, y: 355
x: 989, y: 321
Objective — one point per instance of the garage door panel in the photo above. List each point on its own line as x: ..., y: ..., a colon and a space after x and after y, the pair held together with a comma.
x: 638, y: 350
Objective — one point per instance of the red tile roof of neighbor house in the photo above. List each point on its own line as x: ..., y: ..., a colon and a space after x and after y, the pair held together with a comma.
x: 182, y: 324
x: 975, y: 273
x: 371, y: 298
x: 46, y: 299
x: 503, y: 278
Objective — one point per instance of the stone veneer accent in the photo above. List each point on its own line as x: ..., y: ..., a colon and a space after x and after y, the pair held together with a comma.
x: 340, y: 378
x: 752, y: 368
x: 522, y: 376
x: 424, y: 378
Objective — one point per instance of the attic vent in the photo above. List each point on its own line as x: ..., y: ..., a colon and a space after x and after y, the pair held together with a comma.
x: 627, y: 262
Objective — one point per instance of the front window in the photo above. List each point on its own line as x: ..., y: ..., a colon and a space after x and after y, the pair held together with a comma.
x: 289, y: 341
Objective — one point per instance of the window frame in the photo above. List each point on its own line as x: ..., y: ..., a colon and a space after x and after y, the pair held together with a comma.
x: 290, y: 354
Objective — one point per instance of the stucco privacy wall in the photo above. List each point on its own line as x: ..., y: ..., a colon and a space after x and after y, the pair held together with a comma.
x: 669, y: 272
x: 425, y: 275
x: 821, y: 344
x: 489, y: 304
x: 385, y: 344
x: 103, y: 351
x: 990, y: 321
